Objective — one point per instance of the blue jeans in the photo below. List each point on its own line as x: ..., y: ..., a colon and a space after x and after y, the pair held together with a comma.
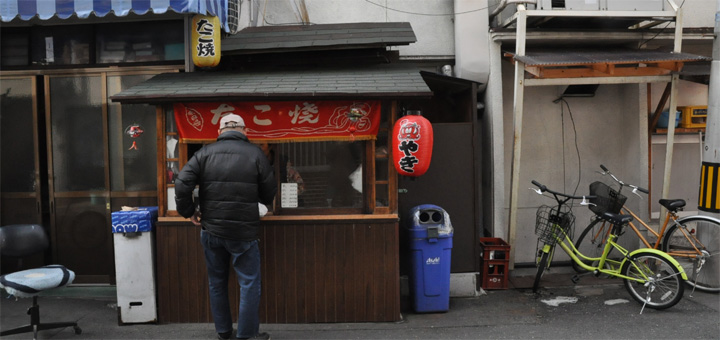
x: 245, y: 259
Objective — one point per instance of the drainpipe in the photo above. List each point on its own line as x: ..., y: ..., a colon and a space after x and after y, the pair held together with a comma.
x: 472, y: 58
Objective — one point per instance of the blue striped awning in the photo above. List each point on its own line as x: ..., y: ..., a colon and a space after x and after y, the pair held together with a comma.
x: 63, y: 9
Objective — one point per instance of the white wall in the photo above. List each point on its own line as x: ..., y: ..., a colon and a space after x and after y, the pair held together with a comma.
x: 687, y: 152
x: 608, y: 130
x: 611, y: 127
x: 471, y: 41
x: 698, y: 13
x: 432, y: 20
x: 691, y: 94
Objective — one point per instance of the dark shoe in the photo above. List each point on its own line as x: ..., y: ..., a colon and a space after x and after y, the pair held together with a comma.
x: 261, y: 336
x: 225, y: 336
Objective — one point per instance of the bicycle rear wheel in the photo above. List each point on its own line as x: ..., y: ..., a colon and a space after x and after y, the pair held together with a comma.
x: 703, y: 270
x: 542, y: 263
x: 591, y: 243
x: 660, y: 286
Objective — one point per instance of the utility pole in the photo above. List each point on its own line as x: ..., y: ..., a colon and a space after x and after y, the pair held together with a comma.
x: 709, y: 198
x: 709, y: 186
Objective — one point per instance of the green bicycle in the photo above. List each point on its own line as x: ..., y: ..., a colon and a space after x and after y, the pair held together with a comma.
x: 652, y: 277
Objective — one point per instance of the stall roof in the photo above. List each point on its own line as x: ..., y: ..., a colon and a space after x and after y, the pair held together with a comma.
x: 442, y: 83
x: 319, y: 37
x: 594, y: 62
x: 566, y: 57
x: 697, y: 72
x: 377, y: 81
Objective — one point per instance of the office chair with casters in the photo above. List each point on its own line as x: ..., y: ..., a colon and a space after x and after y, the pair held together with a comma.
x: 21, y: 240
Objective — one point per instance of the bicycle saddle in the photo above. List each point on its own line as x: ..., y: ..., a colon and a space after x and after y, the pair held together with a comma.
x: 672, y: 205
x: 617, y: 219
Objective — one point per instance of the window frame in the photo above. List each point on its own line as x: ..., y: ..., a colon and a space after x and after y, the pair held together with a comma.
x: 370, y: 182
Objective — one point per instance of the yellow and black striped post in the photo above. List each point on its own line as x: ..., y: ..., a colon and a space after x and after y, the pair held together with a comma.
x: 709, y: 187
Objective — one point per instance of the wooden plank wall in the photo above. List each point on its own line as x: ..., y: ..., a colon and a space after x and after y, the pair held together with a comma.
x: 312, y: 271
x: 182, y: 284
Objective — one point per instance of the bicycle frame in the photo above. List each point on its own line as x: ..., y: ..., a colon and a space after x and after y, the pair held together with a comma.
x: 615, y: 266
x: 642, y: 271
x: 670, y: 215
x: 692, y: 239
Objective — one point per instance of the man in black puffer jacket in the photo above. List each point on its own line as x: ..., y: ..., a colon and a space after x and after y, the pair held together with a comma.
x: 234, y: 176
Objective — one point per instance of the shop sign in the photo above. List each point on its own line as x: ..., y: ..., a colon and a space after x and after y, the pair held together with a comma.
x: 205, y: 41
x: 412, y: 145
x: 282, y: 121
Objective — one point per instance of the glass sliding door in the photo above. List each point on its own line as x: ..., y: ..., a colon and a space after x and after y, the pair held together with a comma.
x: 20, y: 186
x: 133, y: 147
x: 70, y: 157
x: 79, y: 195
x: 101, y: 156
x: 18, y: 157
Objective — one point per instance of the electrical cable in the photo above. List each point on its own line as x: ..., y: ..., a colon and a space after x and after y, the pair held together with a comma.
x: 577, y: 149
x: 661, y: 30
x: 655, y: 36
x: 433, y: 15
x: 379, y: 5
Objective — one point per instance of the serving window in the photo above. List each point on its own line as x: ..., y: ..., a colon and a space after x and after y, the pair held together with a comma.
x: 336, y: 163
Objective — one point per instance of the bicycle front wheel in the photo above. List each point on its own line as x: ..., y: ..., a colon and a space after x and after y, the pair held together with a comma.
x: 591, y: 242
x: 660, y: 286
x: 696, y: 245
x: 543, y: 261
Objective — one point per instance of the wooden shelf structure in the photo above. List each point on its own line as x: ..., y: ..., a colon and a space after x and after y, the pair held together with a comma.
x: 678, y: 130
x: 568, y: 66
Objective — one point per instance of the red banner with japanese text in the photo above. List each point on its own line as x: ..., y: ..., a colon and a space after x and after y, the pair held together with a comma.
x: 282, y: 121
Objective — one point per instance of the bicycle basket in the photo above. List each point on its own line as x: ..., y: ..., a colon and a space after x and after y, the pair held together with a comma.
x: 550, y: 224
x: 607, y: 200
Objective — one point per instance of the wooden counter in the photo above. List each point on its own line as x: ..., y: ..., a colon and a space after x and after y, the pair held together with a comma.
x: 331, y: 268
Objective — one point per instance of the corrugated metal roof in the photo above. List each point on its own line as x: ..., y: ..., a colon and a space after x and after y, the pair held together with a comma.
x: 375, y: 81
x: 315, y: 37
x: 576, y: 57
x: 63, y: 9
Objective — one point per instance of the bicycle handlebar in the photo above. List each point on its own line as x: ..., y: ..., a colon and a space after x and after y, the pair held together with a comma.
x: 635, y: 187
x: 545, y: 189
x: 542, y: 187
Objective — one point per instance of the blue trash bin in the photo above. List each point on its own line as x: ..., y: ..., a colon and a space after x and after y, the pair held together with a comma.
x: 430, y: 242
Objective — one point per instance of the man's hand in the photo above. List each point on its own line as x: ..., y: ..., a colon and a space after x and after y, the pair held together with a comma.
x: 195, y: 219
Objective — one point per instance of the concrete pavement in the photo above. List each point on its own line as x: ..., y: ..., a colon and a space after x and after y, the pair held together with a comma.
x: 592, y: 309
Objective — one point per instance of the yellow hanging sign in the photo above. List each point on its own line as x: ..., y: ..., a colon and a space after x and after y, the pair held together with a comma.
x: 206, y: 41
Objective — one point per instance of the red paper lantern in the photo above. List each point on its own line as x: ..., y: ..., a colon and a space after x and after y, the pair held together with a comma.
x: 412, y: 145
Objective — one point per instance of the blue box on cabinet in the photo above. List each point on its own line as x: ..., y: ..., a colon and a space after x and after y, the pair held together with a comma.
x: 134, y: 221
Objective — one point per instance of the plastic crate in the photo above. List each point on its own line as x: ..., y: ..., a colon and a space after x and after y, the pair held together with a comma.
x: 494, y: 263
x: 693, y: 116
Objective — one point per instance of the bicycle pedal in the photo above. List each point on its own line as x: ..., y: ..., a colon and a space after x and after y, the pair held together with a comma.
x: 575, y: 279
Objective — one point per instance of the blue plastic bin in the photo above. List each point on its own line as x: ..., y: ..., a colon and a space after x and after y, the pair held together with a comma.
x: 430, y: 243
x: 665, y: 118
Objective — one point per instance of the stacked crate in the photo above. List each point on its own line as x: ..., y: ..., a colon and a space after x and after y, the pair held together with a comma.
x: 693, y: 117
x: 494, y: 263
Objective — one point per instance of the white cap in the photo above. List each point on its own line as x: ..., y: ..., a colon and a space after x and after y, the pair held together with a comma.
x: 231, y: 118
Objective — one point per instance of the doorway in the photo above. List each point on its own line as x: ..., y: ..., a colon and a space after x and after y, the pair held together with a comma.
x: 98, y: 157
